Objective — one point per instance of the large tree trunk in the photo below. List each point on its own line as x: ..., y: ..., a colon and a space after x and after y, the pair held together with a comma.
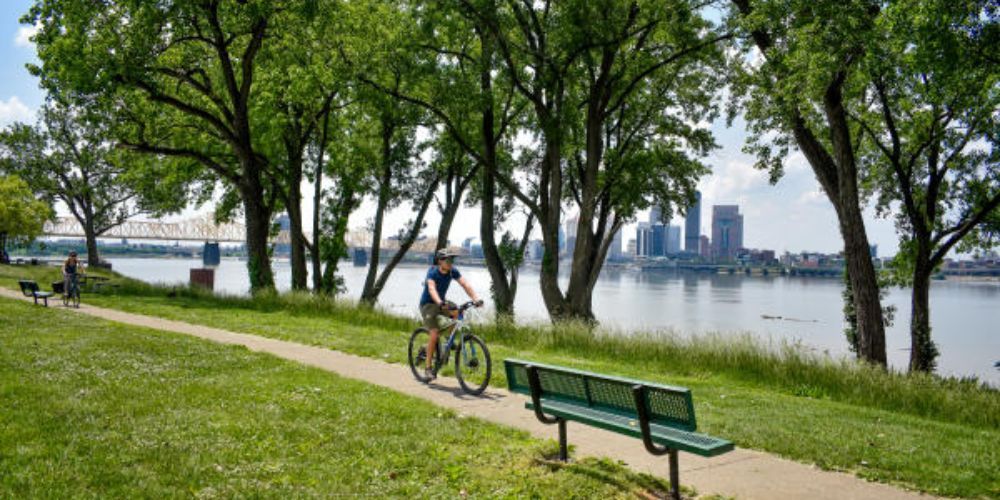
x: 555, y: 301
x: 864, y: 282
x: 923, y: 352
x: 368, y: 293
x: 257, y: 217
x: 336, y: 249
x: 93, y: 259
x: 447, y: 219
x: 843, y: 192
x: 317, y: 258
x: 297, y: 238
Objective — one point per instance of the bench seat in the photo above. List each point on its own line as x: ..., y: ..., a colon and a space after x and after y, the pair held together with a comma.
x: 691, y: 442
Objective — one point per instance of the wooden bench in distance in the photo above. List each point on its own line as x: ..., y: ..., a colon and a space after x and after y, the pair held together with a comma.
x: 30, y: 289
x: 661, y: 416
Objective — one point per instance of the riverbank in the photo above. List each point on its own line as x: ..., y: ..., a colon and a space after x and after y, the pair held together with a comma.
x: 931, y: 434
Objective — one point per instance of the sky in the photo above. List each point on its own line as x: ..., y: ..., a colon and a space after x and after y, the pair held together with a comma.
x: 793, y: 215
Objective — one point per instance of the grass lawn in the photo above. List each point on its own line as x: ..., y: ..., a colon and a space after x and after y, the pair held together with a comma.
x: 97, y: 409
x: 939, y: 436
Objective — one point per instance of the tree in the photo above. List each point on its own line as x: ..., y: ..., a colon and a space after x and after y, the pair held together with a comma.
x: 182, y: 73
x: 594, y: 74
x: 70, y: 156
x: 794, y: 80
x: 931, y: 117
x: 399, y: 177
x: 21, y: 214
x: 456, y: 60
x: 299, y: 86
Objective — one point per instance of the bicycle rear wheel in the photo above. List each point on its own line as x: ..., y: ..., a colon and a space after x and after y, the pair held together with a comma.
x: 472, y: 365
x: 417, y: 354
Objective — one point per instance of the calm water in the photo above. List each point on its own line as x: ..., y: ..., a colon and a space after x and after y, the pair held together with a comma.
x: 965, y: 316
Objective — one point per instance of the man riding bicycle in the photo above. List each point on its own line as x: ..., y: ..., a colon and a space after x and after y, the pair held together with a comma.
x: 71, y: 273
x: 432, y: 303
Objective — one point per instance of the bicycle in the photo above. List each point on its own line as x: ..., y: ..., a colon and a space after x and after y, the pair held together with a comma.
x: 71, y: 295
x: 472, y: 373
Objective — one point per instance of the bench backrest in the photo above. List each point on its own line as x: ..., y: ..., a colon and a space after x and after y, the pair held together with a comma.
x: 28, y: 287
x: 666, y: 405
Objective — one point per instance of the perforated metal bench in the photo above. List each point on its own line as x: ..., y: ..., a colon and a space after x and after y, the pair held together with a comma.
x: 30, y: 289
x: 661, y: 416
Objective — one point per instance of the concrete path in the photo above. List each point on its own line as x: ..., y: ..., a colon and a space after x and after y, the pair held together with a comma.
x: 744, y: 474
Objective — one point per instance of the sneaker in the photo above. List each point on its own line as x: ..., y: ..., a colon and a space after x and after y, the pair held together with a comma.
x: 429, y: 374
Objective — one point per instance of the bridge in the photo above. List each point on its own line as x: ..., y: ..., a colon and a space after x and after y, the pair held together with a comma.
x: 204, y: 229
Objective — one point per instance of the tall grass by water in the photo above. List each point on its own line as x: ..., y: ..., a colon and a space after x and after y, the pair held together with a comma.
x: 746, y: 358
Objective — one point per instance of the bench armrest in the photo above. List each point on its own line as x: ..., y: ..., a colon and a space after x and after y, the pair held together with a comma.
x: 639, y: 395
x: 536, y: 396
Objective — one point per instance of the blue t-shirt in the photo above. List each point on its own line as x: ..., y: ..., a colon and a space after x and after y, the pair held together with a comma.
x: 441, y: 282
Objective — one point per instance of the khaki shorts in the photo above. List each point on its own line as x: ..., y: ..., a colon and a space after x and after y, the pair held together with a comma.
x: 433, y: 319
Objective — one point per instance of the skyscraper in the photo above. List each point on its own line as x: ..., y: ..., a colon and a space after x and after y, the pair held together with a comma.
x: 727, y: 231
x: 673, y: 240
x: 692, y: 226
x: 655, y: 213
x: 643, y: 240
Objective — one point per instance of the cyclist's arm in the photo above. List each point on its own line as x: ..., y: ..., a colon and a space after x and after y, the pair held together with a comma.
x: 468, y: 289
x: 432, y: 289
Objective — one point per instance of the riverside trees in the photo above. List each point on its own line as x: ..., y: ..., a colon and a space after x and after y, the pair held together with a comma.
x: 932, y: 84
x: 70, y: 156
x: 589, y: 108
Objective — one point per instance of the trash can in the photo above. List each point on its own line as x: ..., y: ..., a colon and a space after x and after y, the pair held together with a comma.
x: 203, y: 277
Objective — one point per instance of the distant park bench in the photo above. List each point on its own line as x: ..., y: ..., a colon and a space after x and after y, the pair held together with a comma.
x: 30, y: 289
x: 662, y: 416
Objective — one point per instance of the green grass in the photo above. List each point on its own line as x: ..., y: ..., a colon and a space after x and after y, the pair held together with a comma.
x: 923, y: 432
x: 97, y: 409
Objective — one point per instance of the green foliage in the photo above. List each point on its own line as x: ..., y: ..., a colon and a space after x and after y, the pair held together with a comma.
x: 22, y: 215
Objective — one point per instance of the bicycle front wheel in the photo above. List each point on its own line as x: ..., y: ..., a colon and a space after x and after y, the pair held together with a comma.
x: 76, y: 299
x: 472, y: 365
x: 417, y: 355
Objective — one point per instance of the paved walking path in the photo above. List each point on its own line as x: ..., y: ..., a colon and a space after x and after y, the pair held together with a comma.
x: 744, y: 474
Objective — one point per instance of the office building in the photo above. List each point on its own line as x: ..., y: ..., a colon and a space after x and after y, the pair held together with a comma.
x: 705, y: 247
x: 727, y: 232
x: 673, y: 246
x: 692, y: 226
x: 643, y: 240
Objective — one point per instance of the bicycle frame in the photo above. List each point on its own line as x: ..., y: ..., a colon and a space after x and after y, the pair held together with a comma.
x: 443, y: 352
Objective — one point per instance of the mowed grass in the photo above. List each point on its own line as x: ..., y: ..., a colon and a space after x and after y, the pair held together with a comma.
x: 923, y: 432
x: 96, y: 409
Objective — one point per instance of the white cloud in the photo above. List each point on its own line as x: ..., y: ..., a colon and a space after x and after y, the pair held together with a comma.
x: 13, y: 110
x: 24, y: 34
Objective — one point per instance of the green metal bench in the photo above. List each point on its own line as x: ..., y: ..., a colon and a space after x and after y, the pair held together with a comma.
x: 30, y: 289
x: 661, y: 416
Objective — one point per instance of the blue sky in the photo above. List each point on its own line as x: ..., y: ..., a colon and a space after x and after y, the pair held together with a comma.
x: 793, y: 215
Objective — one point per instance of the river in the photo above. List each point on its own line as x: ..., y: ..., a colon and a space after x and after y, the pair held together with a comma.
x: 965, y: 316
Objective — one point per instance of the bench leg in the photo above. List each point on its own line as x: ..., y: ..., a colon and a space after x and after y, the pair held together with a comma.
x: 675, y: 476
x: 563, y: 448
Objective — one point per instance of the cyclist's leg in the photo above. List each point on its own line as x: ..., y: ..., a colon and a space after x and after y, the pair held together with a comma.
x: 432, y: 348
x: 429, y: 312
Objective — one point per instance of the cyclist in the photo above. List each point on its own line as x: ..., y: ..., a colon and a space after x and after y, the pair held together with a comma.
x: 71, y: 271
x: 432, y: 302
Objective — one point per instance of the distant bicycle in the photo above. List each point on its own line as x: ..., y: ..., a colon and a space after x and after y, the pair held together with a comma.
x: 71, y: 294
x: 472, y: 359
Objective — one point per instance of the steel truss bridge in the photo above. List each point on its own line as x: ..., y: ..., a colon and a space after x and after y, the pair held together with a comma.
x: 205, y: 229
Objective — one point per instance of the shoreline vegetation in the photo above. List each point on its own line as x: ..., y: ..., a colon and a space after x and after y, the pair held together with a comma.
x: 920, y: 431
